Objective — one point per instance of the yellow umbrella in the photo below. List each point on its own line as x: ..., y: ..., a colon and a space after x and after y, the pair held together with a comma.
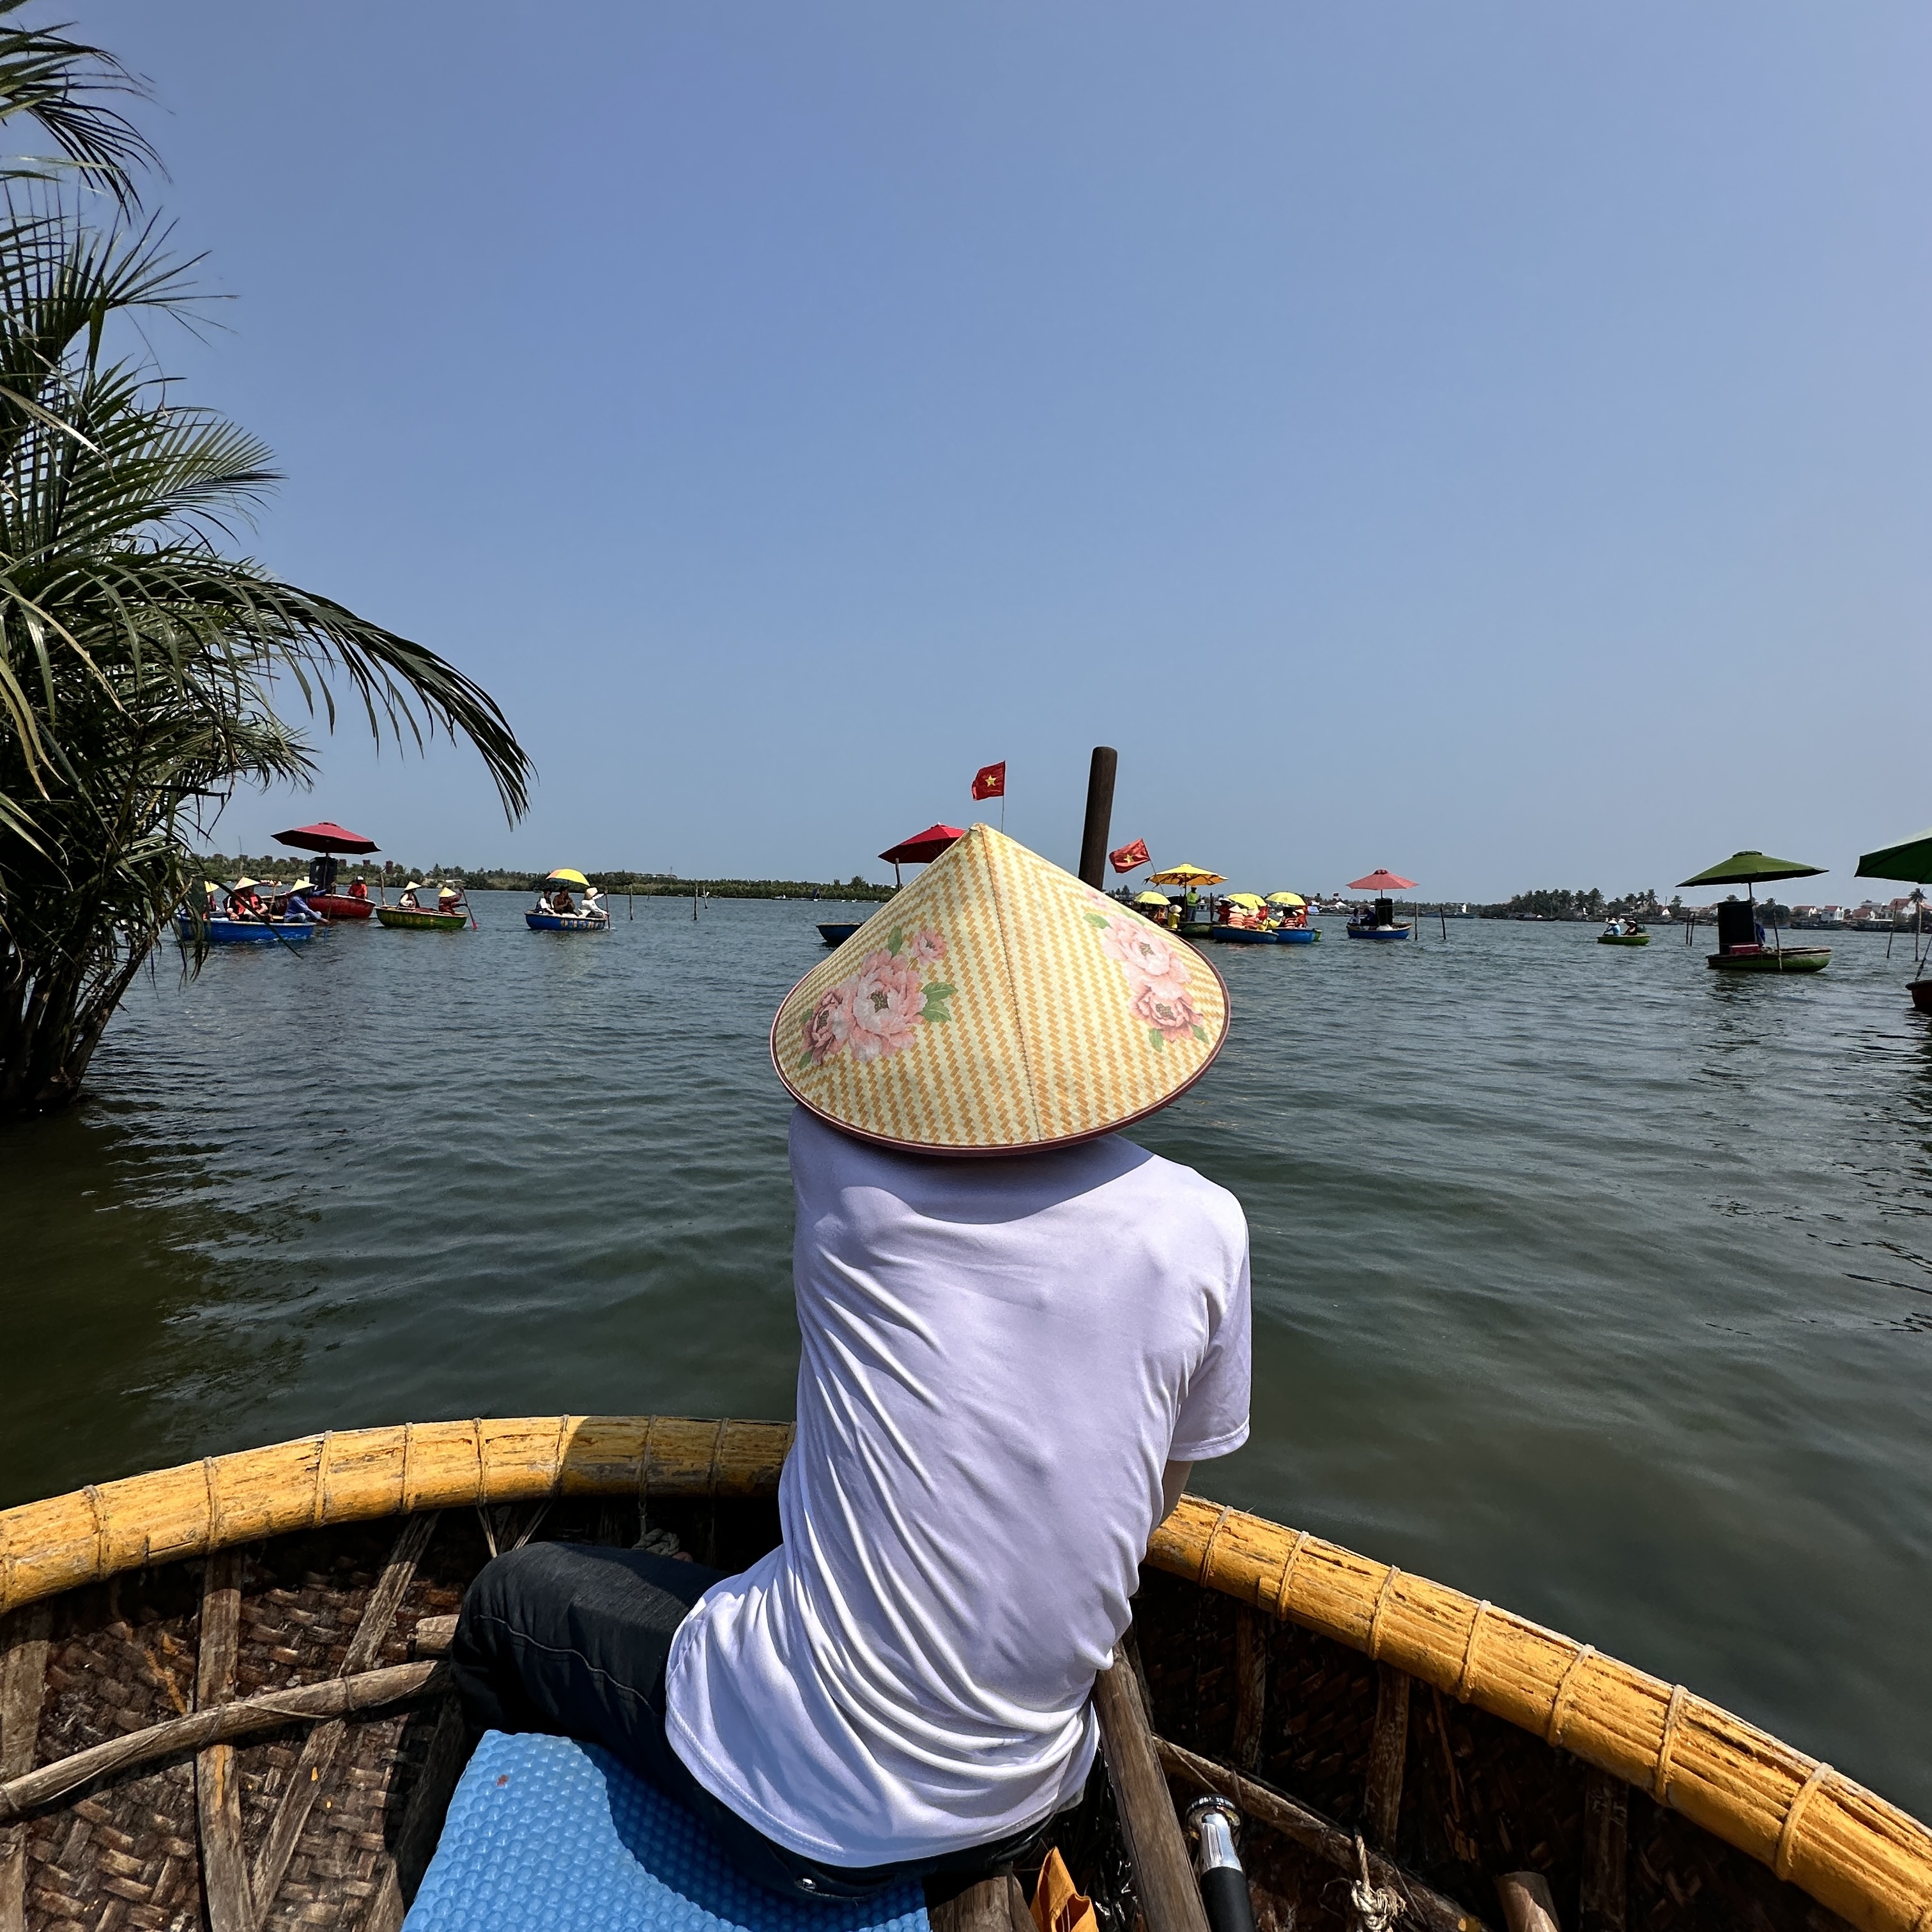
x: 1253, y: 900
x: 1150, y: 898
x: 1188, y: 875
x: 1286, y: 899
x: 564, y: 876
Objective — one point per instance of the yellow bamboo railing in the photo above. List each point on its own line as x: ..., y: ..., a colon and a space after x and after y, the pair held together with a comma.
x: 1850, y: 1849
x: 352, y: 1475
x: 1865, y: 1859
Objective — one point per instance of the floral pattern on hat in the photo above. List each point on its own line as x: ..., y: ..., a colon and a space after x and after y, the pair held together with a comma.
x: 1160, y: 995
x: 879, y: 1008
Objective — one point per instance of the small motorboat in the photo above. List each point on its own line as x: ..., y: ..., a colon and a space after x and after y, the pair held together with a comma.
x: 1379, y: 921
x: 556, y: 911
x: 336, y: 907
x: 1741, y: 939
x: 326, y: 839
x: 228, y: 1703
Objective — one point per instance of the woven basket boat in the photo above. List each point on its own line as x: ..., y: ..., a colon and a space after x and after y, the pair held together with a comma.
x: 221, y: 1703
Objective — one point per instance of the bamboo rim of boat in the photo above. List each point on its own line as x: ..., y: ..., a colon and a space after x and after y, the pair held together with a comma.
x: 1847, y: 1848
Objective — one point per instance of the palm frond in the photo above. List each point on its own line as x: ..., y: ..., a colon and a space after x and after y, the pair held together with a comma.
x: 67, y: 87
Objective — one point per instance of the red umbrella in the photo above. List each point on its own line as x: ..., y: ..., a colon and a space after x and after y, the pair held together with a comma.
x: 326, y: 837
x: 1384, y: 881
x: 923, y: 847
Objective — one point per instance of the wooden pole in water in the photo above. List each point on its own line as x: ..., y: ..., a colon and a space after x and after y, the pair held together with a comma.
x: 1099, y: 816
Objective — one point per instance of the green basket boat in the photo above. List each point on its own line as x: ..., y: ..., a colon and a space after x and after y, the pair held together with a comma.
x: 1623, y: 939
x: 420, y: 921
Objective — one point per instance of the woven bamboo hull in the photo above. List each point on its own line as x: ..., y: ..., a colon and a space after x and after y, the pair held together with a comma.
x: 1790, y: 959
x: 1921, y: 991
x: 407, y: 919
x: 568, y: 922
x: 247, y: 932
x: 1623, y: 939
x: 1461, y: 1742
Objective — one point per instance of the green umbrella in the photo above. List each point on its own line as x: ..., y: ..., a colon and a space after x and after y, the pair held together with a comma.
x: 1747, y: 868
x: 1909, y: 859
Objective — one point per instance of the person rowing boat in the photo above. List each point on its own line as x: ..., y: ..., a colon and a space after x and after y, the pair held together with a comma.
x: 1009, y: 1365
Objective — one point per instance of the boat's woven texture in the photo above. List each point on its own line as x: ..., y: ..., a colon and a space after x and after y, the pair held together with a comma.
x: 998, y: 1003
x: 1478, y: 1795
x: 1863, y: 1858
x: 547, y: 1835
x: 127, y: 1854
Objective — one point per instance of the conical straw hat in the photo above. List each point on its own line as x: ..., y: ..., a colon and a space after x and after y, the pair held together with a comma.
x: 995, y: 1004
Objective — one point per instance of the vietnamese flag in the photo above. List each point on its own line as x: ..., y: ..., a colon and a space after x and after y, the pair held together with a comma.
x: 1129, y: 857
x: 990, y: 781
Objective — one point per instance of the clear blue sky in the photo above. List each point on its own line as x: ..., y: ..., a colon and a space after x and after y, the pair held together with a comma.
x: 1486, y: 440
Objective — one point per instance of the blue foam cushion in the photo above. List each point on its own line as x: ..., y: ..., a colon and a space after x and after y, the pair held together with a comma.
x: 551, y: 1835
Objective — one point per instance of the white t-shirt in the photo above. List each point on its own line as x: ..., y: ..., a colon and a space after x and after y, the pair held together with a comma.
x: 999, y: 1357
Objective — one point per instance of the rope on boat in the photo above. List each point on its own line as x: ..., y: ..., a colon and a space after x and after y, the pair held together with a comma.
x: 1372, y: 1907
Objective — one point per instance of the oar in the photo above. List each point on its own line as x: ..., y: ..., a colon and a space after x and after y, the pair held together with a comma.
x: 268, y: 920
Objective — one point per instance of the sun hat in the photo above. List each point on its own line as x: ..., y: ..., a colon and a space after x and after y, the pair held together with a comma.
x: 997, y: 1004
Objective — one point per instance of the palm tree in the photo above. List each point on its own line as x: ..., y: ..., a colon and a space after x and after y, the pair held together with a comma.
x: 140, y: 658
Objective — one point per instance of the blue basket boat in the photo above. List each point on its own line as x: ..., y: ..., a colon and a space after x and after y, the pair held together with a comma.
x: 224, y: 931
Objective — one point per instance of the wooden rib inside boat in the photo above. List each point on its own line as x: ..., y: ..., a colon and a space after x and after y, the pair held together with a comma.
x: 221, y: 1705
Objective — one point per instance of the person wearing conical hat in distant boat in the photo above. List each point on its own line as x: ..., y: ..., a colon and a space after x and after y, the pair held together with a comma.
x: 1019, y: 1331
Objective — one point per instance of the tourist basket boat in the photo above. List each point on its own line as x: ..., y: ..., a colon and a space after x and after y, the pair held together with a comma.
x: 222, y: 1704
x: 598, y: 921
x: 222, y: 931
x: 420, y: 918
x: 556, y: 911
x: 1267, y: 935
x: 1623, y: 938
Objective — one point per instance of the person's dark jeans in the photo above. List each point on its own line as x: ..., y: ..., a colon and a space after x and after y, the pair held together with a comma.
x: 574, y: 1638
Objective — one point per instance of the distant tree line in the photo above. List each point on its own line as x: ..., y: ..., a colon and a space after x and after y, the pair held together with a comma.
x: 1555, y: 903
x: 221, y: 865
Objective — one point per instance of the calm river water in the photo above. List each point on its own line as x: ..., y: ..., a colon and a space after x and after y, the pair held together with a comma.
x: 1585, y: 1280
